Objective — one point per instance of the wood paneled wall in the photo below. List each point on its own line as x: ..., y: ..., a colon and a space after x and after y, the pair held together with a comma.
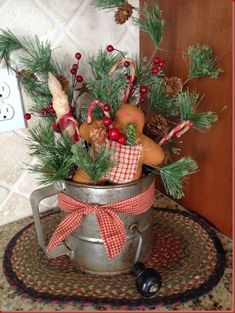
x: 208, y: 192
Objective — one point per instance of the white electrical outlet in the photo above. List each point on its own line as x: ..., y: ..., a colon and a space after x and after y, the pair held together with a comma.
x: 11, y: 106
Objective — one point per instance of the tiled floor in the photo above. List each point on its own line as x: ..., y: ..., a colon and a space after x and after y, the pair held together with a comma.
x: 219, y: 299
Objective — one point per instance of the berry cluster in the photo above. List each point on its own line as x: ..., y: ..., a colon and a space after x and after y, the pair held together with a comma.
x: 49, y: 110
x: 75, y: 67
x: 158, y: 64
x: 113, y: 133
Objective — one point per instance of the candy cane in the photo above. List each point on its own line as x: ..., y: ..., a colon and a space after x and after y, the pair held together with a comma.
x: 91, y: 108
x: 67, y: 119
x: 179, y: 130
x: 132, y: 76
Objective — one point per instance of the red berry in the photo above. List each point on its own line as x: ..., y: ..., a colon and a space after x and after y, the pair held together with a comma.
x: 126, y: 63
x: 43, y: 111
x: 107, y: 121
x: 79, y: 78
x: 156, y: 60
x: 143, y: 89
x: 107, y: 108
x: 50, y: 105
x: 73, y: 71
x: 110, y: 48
x: 27, y: 116
x: 78, y: 55
x: 162, y: 63
x: 142, y: 99
x: 75, y: 66
x: 114, y: 134
x: 122, y: 140
x: 51, y: 110
x: 155, y: 70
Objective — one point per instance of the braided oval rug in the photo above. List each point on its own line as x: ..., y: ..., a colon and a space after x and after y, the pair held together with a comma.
x: 187, y: 253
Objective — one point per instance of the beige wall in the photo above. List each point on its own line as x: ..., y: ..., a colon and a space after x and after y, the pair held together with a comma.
x: 71, y: 25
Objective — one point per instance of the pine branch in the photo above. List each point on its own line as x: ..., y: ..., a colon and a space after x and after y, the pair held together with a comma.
x: 39, y: 59
x: 174, y: 174
x: 55, y: 155
x: 8, y: 44
x: 107, y: 4
x: 103, y: 163
x: 36, y: 64
x: 187, y: 108
x: 143, y: 76
x: 143, y: 73
x: 202, y: 62
x: 152, y: 23
x: 103, y: 62
x: 39, y: 93
x: 108, y: 90
x: 95, y: 167
x: 160, y: 102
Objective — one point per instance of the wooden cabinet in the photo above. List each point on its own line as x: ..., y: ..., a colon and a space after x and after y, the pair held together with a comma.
x: 208, y: 192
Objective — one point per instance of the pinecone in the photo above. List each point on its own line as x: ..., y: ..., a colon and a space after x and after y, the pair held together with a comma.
x: 123, y: 13
x: 26, y: 74
x: 173, y: 86
x: 64, y: 82
x: 156, y: 127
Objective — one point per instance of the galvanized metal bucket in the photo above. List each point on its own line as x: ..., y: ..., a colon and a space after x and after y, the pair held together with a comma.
x: 84, y: 246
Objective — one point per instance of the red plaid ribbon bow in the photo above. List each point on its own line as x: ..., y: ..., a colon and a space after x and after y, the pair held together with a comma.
x: 112, y: 229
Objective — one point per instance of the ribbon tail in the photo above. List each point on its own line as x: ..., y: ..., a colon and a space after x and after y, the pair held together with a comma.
x: 112, y: 231
x: 66, y: 227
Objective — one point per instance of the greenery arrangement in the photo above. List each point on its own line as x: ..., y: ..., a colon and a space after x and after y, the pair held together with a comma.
x: 171, y: 103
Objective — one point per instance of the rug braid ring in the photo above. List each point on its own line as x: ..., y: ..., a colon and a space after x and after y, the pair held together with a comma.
x: 187, y: 253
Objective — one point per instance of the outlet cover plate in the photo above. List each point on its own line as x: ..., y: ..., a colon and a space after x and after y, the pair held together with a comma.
x: 11, y: 105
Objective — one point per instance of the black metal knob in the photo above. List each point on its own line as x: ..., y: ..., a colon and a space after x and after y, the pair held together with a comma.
x: 148, y: 280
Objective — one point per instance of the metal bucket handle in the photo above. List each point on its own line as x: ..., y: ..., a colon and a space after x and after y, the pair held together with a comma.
x: 37, y: 196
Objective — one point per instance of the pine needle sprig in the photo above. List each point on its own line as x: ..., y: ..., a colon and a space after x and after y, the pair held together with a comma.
x: 175, y: 174
x: 160, y: 102
x: 143, y: 73
x: 38, y: 54
x: 107, y: 4
x: 103, y: 163
x: 35, y: 88
x: 108, y: 90
x: 39, y: 59
x: 55, y: 161
x: 39, y: 93
x: 41, y: 137
x: 187, y: 107
x: 152, y: 23
x: 103, y: 62
x: 202, y: 62
x: 51, y: 170
x: 8, y: 44
x: 96, y: 167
